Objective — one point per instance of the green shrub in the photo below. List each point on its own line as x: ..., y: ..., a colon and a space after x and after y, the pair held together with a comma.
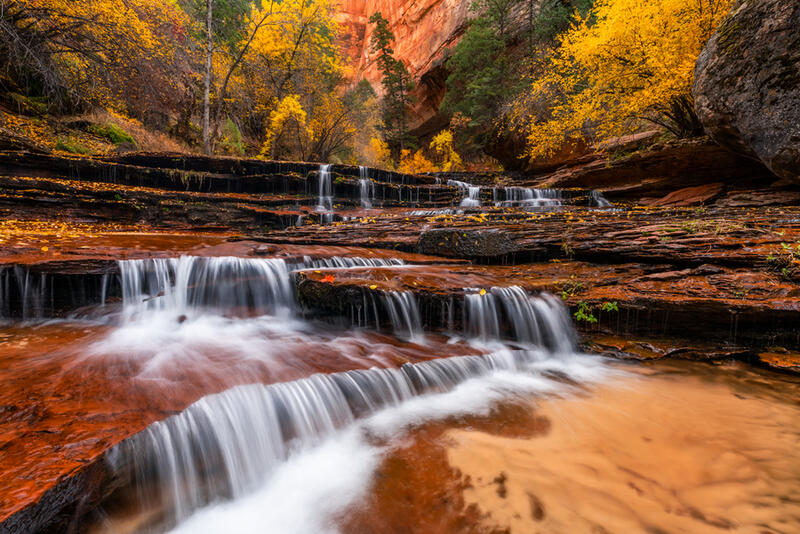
x: 231, y: 141
x: 69, y: 144
x: 113, y: 133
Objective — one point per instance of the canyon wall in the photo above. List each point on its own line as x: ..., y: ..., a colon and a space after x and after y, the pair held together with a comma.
x: 424, y: 30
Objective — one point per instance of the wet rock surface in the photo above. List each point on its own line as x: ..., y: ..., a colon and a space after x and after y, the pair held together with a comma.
x: 690, y: 266
x: 469, y: 244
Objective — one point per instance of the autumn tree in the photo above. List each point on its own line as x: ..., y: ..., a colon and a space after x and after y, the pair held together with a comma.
x: 627, y: 63
x: 124, y: 54
x: 397, y: 85
x: 442, y: 145
x: 295, y: 59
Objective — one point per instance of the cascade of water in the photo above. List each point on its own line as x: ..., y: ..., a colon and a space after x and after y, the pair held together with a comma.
x: 471, y: 194
x: 29, y: 295
x: 325, y: 189
x: 404, y: 314
x: 428, y: 213
x: 338, y: 262
x: 226, y: 445
x: 527, y: 196
x: 367, y: 187
x: 191, y: 284
x: 597, y: 200
x: 541, y: 321
x: 219, y: 284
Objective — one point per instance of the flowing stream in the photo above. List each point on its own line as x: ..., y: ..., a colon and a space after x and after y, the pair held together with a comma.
x: 293, y: 425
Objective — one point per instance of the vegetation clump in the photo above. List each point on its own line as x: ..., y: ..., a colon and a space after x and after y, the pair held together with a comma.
x: 112, y: 132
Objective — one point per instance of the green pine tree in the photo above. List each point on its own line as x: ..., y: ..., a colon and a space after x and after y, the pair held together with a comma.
x: 397, y: 85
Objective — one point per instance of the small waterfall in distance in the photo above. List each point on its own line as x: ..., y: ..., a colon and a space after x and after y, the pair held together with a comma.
x: 367, y: 187
x: 527, y: 196
x: 325, y: 202
x: 471, y: 193
x: 597, y: 200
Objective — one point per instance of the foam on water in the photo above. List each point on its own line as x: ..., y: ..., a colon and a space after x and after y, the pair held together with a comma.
x: 294, y: 455
x: 471, y: 194
x: 510, y: 313
x: 527, y: 197
x: 366, y: 186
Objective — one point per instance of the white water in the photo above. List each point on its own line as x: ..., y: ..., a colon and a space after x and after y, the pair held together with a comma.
x: 404, y: 314
x: 527, y: 196
x: 190, y: 285
x: 325, y: 199
x: 541, y: 321
x: 429, y: 213
x: 598, y: 200
x: 305, y: 493
x: 289, y: 457
x: 367, y: 187
x: 325, y: 202
x: 471, y: 194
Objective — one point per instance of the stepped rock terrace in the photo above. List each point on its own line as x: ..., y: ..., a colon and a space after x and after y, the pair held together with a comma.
x: 187, y: 339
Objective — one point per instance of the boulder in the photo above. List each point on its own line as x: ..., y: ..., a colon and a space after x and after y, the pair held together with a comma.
x: 454, y: 243
x: 747, y: 84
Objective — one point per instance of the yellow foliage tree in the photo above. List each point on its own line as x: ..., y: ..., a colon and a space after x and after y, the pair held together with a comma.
x: 111, y: 51
x: 416, y: 162
x: 294, y: 52
x: 629, y: 61
x: 442, y: 145
x: 379, y: 154
x: 288, y: 109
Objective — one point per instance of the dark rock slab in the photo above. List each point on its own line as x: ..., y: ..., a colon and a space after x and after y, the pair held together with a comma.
x: 454, y: 243
x: 747, y: 84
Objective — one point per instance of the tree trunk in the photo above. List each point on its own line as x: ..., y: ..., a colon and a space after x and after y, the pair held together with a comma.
x: 207, y: 77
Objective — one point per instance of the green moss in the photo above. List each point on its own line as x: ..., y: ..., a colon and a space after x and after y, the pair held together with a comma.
x: 29, y: 105
x: 113, y: 133
x: 69, y: 144
x: 727, y: 39
x: 232, y: 142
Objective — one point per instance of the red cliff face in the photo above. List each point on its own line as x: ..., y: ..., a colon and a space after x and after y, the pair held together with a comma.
x: 424, y: 30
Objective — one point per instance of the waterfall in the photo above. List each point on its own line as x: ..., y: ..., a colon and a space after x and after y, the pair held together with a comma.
x: 337, y: 262
x: 510, y: 312
x: 597, y: 200
x: 471, y: 194
x: 325, y: 189
x: 195, y: 284
x: 28, y: 295
x: 527, y: 196
x: 192, y: 284
x: 404, y: 314
x: 227, y: 445
x: 367, y: 187
x: 30, y: 290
